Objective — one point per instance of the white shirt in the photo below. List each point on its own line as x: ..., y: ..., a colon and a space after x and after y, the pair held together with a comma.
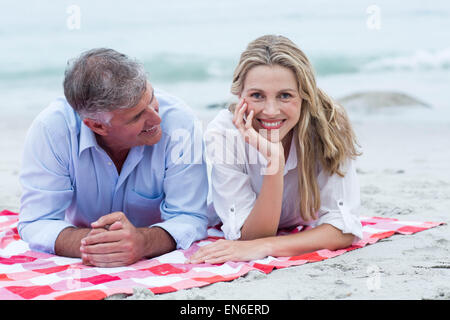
x: 236, y: 180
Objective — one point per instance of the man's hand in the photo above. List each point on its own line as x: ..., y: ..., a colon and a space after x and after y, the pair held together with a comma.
x: 114, y: 241
x: 92, y: 232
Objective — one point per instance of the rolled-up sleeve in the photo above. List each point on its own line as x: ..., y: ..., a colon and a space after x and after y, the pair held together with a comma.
x: 184, y: 209
x: 340, y: 200
x: 232, y: 193
x: 233, y: 198
x: 46, y: 187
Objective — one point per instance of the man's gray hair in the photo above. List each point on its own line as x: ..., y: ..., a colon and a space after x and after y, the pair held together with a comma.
x: 103, y: 80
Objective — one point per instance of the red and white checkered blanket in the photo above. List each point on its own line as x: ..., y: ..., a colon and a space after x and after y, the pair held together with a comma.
x: 26, y: 274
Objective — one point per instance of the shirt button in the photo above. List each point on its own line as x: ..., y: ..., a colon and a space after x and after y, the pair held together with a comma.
x: 341, y: 203
x: 109, y: 163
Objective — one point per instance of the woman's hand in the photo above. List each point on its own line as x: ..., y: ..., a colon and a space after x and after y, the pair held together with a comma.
x: 272, y: 151
x: 230, y: 250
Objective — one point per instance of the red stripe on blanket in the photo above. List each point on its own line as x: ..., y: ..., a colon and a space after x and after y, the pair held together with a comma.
x: 264, y: 267
x: 8, y: 213
x: 164, y: 269
x: 410, y: 229
x: 52, y: 269
x: 83, y: 295
x: 4, y: 277
x: 30, y: 292
x: 382, y: 235
x: 16, y: 259
x: 100, y: 279
x: 215, y: 279
x: 311, y: 257
x: 164, y: 289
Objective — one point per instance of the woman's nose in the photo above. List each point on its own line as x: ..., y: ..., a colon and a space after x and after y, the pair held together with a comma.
x: 271, y: 109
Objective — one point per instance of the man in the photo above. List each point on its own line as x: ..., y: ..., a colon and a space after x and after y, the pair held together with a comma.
x: 103, y: 177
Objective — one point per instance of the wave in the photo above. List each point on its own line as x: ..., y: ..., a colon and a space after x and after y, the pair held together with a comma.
x: 420, y: 60
x: 179, y: 68
x: 21, y: 74
x: 160, y: 67
x: 170, y: 67
x: 175, y: 68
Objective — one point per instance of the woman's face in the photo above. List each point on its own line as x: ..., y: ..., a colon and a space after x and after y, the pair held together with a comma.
x: 272, y: 93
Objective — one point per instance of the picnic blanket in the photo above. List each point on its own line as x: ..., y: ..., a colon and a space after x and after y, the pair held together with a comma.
x: 26, y: 274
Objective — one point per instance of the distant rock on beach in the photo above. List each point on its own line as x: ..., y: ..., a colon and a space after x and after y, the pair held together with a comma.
x: 373, y: 100
x: 221, y: 105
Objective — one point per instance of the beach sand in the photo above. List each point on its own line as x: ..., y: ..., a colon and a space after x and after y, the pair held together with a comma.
x: 404, y: 174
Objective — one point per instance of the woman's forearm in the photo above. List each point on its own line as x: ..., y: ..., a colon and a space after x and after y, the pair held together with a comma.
x: 324, y: 236
x: 264, y: 218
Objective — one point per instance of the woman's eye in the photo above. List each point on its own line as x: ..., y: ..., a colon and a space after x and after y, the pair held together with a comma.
x: 285, y: 95
x: 256, y: 95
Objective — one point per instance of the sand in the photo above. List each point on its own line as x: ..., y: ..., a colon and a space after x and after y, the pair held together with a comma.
x: 404, y: 174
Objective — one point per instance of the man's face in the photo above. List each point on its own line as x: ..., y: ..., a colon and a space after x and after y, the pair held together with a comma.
x: 139, y: 125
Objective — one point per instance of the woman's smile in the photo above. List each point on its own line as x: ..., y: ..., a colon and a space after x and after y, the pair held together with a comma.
x: 271, y: 124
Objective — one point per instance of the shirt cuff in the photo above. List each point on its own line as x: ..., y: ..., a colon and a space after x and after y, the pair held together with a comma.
x: 41, y: 235
x: 233, y: 221
x: 343, y: 220
x: 184, y: 229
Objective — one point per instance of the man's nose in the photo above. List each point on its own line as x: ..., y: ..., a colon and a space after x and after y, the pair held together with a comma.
x: 153, y: 116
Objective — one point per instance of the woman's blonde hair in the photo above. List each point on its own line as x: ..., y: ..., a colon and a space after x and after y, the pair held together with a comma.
x: 324, y: 132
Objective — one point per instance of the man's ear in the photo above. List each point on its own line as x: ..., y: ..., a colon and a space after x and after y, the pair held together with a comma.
x: 98, y: 127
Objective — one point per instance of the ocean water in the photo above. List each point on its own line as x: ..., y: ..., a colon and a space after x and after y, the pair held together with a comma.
x: 190, y: 48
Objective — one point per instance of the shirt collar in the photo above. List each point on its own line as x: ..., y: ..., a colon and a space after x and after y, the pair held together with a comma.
x: 87, y: 138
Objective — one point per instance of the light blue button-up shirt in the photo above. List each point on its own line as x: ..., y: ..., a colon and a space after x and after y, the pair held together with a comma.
x: 69, y: 180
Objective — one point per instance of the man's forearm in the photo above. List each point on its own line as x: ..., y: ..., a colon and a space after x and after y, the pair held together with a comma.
x: 68, y: 242
x: 157, y: 241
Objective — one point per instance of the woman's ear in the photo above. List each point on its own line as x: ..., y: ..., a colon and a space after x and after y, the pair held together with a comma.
x: 96, y: 126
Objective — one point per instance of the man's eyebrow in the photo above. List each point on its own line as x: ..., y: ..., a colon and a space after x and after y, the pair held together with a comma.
x: 153, y: 95
x: 137, y: 116
x: 140, y: 113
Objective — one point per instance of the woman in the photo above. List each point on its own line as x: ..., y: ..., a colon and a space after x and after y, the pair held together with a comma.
x: 303, y: 171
